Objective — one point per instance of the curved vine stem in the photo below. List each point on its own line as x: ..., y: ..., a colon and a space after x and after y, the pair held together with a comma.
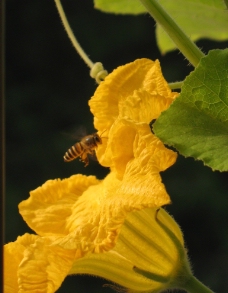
x: 71, y: 35
x: 178, y: 36
x: 97, y: 71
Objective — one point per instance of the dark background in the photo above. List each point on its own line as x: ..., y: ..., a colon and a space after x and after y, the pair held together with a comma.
x: 47, y: 92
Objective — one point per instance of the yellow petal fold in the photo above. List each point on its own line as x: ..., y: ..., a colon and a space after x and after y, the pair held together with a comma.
x: 137, y: 93
x: 142, y: 74
x: 143, y: 107
x: 44, y: 267
x: 92, y: 221
x: 13, y: 255
x: 130, y: 143
x: 49, y: 206
x: 32, y: 265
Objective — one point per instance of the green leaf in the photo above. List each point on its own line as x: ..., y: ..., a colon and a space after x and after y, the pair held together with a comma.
x: 120, y: 6
x: 196, y: 123
x: 198, y: 19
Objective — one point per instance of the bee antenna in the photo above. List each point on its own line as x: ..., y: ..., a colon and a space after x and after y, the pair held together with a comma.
x: 102, y: 133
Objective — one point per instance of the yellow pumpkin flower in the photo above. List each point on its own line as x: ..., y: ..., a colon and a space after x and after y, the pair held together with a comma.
x: 101, y: 226
x: 134, y: 154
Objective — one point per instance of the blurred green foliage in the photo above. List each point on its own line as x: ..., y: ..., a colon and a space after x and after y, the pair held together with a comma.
x: 47, y: 92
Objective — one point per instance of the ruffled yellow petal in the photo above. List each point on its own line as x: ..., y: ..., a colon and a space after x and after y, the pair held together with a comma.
x: 128, y: 141
x: 142, y: 74
x: 92, y: 220
x: 32, y: 265
x: 44, y: 267
x: 49, y: 206
x: 13, y: 255
x: 143, y: 107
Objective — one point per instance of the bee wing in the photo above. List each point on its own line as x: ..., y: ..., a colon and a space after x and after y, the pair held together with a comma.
x: 75, y: 133
x: 80, y: 132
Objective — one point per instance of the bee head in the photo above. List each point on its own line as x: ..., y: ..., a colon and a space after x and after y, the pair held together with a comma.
x: 97, y: 138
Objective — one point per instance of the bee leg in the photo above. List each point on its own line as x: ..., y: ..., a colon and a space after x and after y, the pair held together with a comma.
x: 85, y: 159
x: 91, y: 152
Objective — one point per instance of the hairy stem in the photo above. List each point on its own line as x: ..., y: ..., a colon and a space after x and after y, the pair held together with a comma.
x: 182, y: 41
x: 195, y: 286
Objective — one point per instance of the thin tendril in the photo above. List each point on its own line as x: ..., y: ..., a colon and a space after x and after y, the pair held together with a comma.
x: 97, y: 70
x: 71, y: 34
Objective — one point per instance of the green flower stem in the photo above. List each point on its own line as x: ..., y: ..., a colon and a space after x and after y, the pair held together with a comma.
x: 175, y: 85
x: 193, y: 285
x: 183, y: 43
x: 71, y: 35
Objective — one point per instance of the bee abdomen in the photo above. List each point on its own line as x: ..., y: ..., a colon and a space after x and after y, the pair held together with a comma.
x: 73, y: 152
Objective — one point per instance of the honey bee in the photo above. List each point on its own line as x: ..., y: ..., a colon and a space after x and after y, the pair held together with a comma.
x: 83, y: 148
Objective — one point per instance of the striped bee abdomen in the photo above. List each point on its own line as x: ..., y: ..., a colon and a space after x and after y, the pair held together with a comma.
x: 75, y: 151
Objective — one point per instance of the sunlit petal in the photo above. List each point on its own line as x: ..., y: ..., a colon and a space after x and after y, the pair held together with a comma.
x: 44, y: 267
x: 13, y: 255
x: 49, y: 206
x: 32, y: 265
x: 142, y: 74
